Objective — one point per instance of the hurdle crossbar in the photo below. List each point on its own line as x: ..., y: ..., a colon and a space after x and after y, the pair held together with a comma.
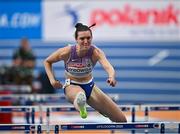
x: 111, y: 126
x: 22, y: 88
x: 33, y: 97
x: 68, y: 108
x: 43, y: 97
x: 164, y: 108
x: 160, y: 126
x: 17, y: 108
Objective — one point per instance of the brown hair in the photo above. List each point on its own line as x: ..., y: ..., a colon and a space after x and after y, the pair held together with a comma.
x: 80, y: 27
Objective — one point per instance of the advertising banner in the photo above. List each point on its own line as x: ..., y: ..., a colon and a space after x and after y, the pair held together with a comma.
x: 20, y: 18
x: 115, y: 20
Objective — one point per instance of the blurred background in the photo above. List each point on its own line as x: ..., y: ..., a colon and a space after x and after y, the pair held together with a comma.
x: 140, y: 38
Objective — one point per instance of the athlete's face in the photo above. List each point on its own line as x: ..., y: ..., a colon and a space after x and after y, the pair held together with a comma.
x: 84, y: 39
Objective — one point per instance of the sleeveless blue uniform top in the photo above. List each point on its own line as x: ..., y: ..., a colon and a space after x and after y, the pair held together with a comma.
x: 79, y: 66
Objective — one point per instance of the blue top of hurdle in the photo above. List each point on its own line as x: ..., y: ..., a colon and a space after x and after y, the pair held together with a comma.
x: 89, y: 126
x: 81, y: 126
x: 110, y: 126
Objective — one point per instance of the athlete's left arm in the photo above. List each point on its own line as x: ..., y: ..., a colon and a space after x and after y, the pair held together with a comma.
x: 101, y: 57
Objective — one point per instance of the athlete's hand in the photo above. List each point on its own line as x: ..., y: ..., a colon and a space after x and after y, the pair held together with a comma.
x: 111, y: 81
x: 56, y: 84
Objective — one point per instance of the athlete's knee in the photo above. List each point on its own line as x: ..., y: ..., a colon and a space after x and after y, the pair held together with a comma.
x: 121, y: 118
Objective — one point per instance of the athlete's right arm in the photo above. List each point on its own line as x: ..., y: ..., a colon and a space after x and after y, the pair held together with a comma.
x: 58, y: 55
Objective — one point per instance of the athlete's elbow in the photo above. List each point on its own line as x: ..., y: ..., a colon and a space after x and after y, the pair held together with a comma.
x: 46, y: 62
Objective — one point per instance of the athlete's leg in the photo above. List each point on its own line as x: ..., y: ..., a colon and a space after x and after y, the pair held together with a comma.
x: 104, y: 104
x: 76, y: 95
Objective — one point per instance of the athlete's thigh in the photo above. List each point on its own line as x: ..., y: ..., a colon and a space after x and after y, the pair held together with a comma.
x: 71, y: 92
x: 101, y: 102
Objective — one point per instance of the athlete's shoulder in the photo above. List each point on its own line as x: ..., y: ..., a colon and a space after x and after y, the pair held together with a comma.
x: 65, y: 48
x: 97, y: 53
x: 97, y: 50
x: 64, y: 51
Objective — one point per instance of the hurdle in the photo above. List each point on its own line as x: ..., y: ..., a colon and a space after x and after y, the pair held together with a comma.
x: 16, y: 88
x: 158, y: 127
x: 43, y: 98
x: 126, y: 108
x: 30, y: 110
x: 37, y: 98
x: 149, y: 108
